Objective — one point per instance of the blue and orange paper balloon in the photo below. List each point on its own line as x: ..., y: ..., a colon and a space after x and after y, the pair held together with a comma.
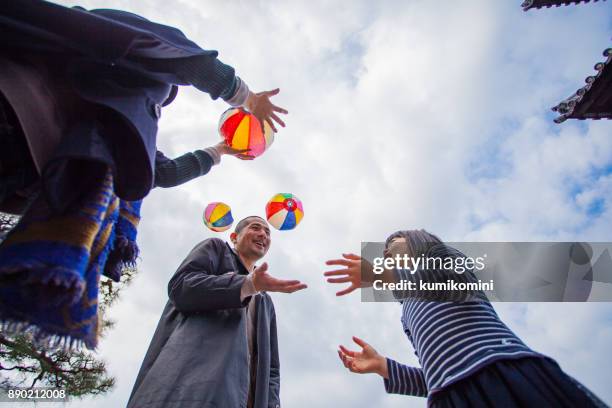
x: 242, y: 130
x: 218, y: 216
x: 284, y: 211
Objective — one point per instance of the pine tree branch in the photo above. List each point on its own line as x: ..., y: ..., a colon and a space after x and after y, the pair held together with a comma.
x: 32, y: 353
x: 20, y: 368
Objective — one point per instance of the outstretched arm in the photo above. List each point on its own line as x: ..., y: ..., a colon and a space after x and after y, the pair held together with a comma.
x: 197, y: 67
x: 124, y: 39
x: 196, y: 288
x: 174, y: 172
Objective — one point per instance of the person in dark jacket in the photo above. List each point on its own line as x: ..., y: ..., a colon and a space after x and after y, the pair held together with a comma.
x: 82, y: 90
x: 216, y: 344
x: 81, y: 94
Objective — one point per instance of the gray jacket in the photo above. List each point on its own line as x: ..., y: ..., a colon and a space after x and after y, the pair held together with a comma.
x: 199, y: 354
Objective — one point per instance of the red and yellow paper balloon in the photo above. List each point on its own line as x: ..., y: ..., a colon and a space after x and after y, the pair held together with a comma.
x: 284, y: 211
x: 242, y: 130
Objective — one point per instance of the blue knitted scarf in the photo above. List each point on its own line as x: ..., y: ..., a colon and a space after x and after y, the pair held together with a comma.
x: 50, y: 266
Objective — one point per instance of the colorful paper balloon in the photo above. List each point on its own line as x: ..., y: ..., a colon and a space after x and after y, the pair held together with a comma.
x: 241, y: 130
x: 284, y: 211
x: 218, y: 216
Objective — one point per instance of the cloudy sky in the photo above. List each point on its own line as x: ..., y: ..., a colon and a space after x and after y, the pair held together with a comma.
x: 414, y: 114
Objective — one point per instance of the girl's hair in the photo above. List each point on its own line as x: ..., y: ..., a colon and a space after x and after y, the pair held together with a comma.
x: 419, y: 241
x: 423, y: 243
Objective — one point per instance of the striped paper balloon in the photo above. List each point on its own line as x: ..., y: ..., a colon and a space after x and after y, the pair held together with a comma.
x: 284, y: 211
x: 241, y: 130
x: 218, y: 216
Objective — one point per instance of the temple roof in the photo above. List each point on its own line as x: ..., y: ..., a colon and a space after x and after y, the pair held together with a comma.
x: 529, y: 4
x: 594, y: 100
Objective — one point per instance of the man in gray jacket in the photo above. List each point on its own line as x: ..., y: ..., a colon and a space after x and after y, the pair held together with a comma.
x: 215, y: 344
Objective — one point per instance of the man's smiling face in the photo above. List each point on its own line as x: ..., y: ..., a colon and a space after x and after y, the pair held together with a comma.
x: 253, y: 241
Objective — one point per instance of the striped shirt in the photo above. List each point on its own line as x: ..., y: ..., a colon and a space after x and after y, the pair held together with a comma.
x: 452, y: 339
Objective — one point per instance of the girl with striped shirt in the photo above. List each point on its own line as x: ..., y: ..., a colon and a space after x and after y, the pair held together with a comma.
x: 468, y: 356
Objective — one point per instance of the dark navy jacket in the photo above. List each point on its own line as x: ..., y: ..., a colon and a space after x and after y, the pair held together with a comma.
x: 199, y: 355
x: 123, y: 64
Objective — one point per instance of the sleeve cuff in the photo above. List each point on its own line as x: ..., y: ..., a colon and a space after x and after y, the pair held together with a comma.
x: 214, y: 154
x: 405, y: 380
x: 389, y: 382
x: 248, y: 288
x: 240, y: 96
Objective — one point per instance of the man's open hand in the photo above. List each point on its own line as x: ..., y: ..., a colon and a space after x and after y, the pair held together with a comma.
x: 263, y: 281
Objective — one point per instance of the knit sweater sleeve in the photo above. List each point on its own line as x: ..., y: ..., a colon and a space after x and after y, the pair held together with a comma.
x: 405, y: 380
x: 173, y: 172
x: 209, y: 75
x: 204, y: 72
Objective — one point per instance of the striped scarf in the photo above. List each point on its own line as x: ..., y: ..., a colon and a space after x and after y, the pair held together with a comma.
x: 50, y: 266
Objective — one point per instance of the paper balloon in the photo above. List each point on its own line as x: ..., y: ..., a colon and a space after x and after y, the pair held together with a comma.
x: 241, y: 130
x: 284, y: 211
x: 218, y: 216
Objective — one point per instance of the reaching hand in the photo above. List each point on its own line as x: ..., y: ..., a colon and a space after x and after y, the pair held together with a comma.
x: 223, y: 148
x: 259, y: 105
x: 262, y: 280
x: 365, y: 361
x: 351, y: 274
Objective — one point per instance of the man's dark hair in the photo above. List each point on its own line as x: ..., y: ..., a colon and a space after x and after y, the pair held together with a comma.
x: 243, y: 223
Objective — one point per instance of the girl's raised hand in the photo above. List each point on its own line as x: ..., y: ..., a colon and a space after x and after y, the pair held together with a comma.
x: 365, y: 361
x: 350, y: 273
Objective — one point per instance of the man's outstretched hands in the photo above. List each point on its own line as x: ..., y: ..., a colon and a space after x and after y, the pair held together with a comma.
x: 263, y: 281
x: 351, y: 273
x: 365, y: 361
x: 259, y: 105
